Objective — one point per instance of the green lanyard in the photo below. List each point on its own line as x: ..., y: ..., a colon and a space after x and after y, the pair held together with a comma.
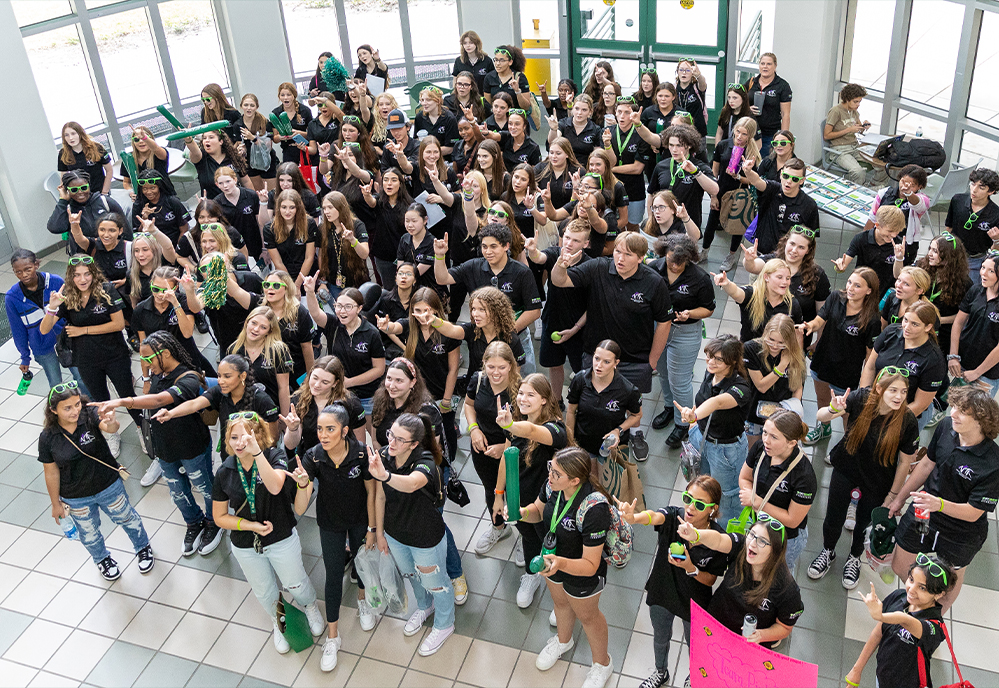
x: 555, y: 519
x: 251, y: 495
x: 620, y: 146
x: 679, y: 174
x: 934, y: 292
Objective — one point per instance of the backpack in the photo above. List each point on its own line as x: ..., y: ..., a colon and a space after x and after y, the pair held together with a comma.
x: 620, y: 535
x: 898, y: 152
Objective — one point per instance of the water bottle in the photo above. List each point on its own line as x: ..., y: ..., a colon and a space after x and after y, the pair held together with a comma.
x: 605, y: 447
x: 919, y: 131
x: 68, y: 528
x: 323, y: 294
x: 537, y: 564
x: 22, y: 387
x: 748, y: 626
x: 735, y: 160
x: 923, y: 521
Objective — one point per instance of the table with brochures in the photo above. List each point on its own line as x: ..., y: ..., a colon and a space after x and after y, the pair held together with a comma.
x: 835, y: 195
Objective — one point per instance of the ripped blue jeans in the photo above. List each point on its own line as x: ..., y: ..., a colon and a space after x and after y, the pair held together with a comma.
x: 199, y: 476
x: 431, y: 586
x: 283, y: 558
x: 86, y: 514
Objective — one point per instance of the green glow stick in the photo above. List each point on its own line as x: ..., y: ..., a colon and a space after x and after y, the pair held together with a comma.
x: 194, y: 131
x: 281, y: 127
x: 169, y: 116
x: 512, y: 457
x: 133, y: 171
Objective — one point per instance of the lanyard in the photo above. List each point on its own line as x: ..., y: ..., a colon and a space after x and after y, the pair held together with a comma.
x: 620, y: 146
x: 555, y: 519
x: 251, y: 495
x: 679, y: 174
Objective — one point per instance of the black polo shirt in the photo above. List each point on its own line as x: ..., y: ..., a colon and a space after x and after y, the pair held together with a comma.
x: 295, y: 333
x: 779, y: 91
x: 655, y: 120
x: 79, y: 475
x: 342, y: 499
x: 880, y: 258
x: 600, y: 412
x: 515, y: 280
x: 445, y: 129
x: 299, y: 122
x: 799, y: 486
x: 242, y: 215
x: 492, y: 84
x: 864, y: 467
x: 323, y: 133
x: 899, y: 650
x: 293, y: 251
x: 89, y: 349
x: 749, y: 332
x: 844, y: 346
x: 727, y: 423
x: 180, y: 438
x: 255, y: 399
x: 410, y: 517
x: 477, y: 345
x: 310, y: 436
x: 981, y: 331
x: 93, y: 168
x: 976, y: 240
x: 276, y: 508
x: 964, y: 475
x: 356, y: 351
x: 561, y: 187
x: 207, y: 167
x: 629, y: 148
x: 692, y: 99
x: 584, y: 142
x: 227, y: 321
x: 309, y: 200
x: 266, y: 373
x: 778, y: 213
x: 926, y: 364
x: 431, y: 357
x: 492, y: 125
x: 171, y: 217
x: 692, y: 289
x: 807, y: 298
x: 114, y: 262
x: 419, y: 255
x: 598, y: 241
x: 479, y: 69
x: 410, y: 151
x: 758, y: 358
x: 729, y: 606
x: 669, y: 176
x: 528, y: 152
x: 483, y: 399
x: 146, y: 318
x: 616, y: 306
x: 571, y: 536
x: 564, y: 305
x: 669, y: 586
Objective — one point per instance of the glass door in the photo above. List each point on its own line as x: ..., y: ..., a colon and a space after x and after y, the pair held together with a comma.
x: 632, y: 34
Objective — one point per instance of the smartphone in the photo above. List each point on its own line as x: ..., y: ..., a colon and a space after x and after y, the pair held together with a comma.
x: 298, y: 138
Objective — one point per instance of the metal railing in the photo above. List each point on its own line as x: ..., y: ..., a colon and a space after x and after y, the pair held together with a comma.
x: 752, y: 41
x: 603, y: 29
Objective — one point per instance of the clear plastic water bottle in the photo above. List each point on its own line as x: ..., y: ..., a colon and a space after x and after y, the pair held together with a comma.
x: 919, y: 131
x: 851, y: 511
x: 68, y: 528
x: 605, y: 447
x: 323, y: 294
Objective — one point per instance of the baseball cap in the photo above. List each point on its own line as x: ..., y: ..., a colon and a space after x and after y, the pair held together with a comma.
x: 396, y: 119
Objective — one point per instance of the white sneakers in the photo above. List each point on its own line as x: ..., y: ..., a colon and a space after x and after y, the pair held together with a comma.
x: 316, y: 623
x: 529, y: 584
x: 415, y: 622
x: 280, y: 643
x: 518, y: 553
x: 551, y: 653
x: 598, y: 674
x: 152, y: 474
x: 435, y: 638
x: 366, y: 615
x: 114, y: 443
x: 489, y: 538
x: 330, y: 649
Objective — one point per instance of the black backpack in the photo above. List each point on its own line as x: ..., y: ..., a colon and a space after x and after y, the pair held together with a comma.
x: 898, y: 153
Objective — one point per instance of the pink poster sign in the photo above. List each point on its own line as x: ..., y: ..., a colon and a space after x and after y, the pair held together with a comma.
x: 720, y: 658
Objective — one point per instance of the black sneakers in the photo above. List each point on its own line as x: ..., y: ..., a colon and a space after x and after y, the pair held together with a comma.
x: 146, y: 560
x: 677, y: 437
x: 639, y: 447
x: 192, y: 537
x: 109, y: 568
x: 210, y: 539
x: 663, y: 419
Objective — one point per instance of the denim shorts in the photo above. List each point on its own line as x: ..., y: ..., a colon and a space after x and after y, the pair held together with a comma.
x: 838, y: 390
x: 367, y: 405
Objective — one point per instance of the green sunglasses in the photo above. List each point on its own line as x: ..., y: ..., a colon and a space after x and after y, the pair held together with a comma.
x: 432, y: 89
x: 931, y: 567
x: 63, y: 387
x: 772, y: 523
x: 735, y: 86
x: 206, y: 100
x: 972, y: 219
x: 150, y: 180
x: 647, y: 70
x: 803, y: 231
x: 212, y: 227
x: 149, y: 358
x: 699, y: 504
x: 352, y: 118
x: 791, y: 177
x: 273, y: 285
x: 498, y: 213
x: 517, y: 111
x: 626, y: 99
x: 244, y: 415
x: 504, y: 51
x: 158, y: 290
x: 948, y: 237
x: 892, y: 370
x: 86, y: 187
x: 596, y: 176
x: 781, y: 144
x: 81, y: 260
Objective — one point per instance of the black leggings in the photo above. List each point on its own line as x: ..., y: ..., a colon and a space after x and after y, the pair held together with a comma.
x: 714, y: 226
x: 95, y: 375
x: 450, y: 433
x: 487, y: 469
x: 334, y: 546
x: 840, y: 487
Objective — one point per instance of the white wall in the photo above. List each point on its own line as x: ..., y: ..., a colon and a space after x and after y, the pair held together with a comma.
x: 807, y: 43
x: 254, y: 31
x: 27, y: 153
x: 493, y: 20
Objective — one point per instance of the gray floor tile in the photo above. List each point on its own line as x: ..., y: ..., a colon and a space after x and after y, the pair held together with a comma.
x: 121, y: 665
x: 12, y: 625
x: 506, y: 624
x: 818, y: 648
x: 212, y: 677
x: 166, y: 669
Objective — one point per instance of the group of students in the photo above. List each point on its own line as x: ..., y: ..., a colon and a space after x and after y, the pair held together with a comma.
x: 272, y: 265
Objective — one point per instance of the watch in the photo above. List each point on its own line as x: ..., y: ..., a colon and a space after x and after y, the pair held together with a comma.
x: 372, y: 530
x: 694, y: 572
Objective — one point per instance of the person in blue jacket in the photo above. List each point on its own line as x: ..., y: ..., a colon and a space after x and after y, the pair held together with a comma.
x: 25, y: 304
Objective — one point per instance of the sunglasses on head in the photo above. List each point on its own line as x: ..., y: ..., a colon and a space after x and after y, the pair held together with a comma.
x: 432, y: 89
x: 503, y: 51
x: 150, y: 357
x: 803, y: 231
x: 497, y: 212
x: 244, y: 415
x: 734, y: 86
x: 892, y: 370
x: 931, y: 567
x: 81, y: 260
x: 277, y: 284
x: 950, y: 238
x: 772, y: 523
x: 594, y: 175
x: 84, y: 187
x: 699, y: 504
x: 626, y: 99
x: 63, y: 387
x: 149, y: 180
x: 517, y: 111
x: 352, y: 118
x: 212, y: 227
x: 791, y: 177
x: 647, y: 70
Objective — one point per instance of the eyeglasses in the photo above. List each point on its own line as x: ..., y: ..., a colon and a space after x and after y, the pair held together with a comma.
x: 554, y: 472
x: 395, y: 438
x: 781, y: 144
x: 791, y: 177
x: 273, y: 285
x: 773, y: 524
x: 972, y: 219
x: 658, y: 207
x: 497, y: 213
x: 594, y: 175
x: 81, y: 260
x: 626, y: 99
x: 892, y: 370
x: 150, y: 357
x: 244, y: 415
x: 345, y: 306
x: 158, y: 290
x: 86, y: 187
x: 71, y: 385
x: 734, y: 86
x: 685, y: 70
x: 699, y: 504
x: 931, y: 567
x: 354, y: 118
x: 947, y: 236
x: 803, y: 231
x: 150, y: 180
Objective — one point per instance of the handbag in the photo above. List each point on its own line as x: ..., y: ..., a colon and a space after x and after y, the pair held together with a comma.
x: 306, y: 169
x: 455, y: 489
x: 260, y: 153
x: 922, y: 664
x: 621, y: 479
x: 690, y: 458
x: 64, y: 349
x: 736, y: 210
x: 546, y: 235
x: 122, y: 471
x: 748, y: 516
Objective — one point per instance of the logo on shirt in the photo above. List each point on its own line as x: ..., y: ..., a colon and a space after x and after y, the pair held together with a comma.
x: 299, y: 242
x: 86, y: 438
x: 803, y: 495
x: 913, y: 366
x: 99, y: 308
x: 172, y: 320
x: 701, y: 563
x: 984, y: 225
x: 765, y: 604
x: 355, y: 472
x: 801, y: 288
x: 782, y: 487
x: 438, y: 349
x: 291, y: 327
x: 965, y: 472
x: 506, y: 287
x: 794, y: 217
x: 169, y: 216
x: 361, y: 348
x: 587, y: 139
x: 120, y: 263
x: 522, y: 157
x: 638, y: 297
x: 771, y: 93
x: 248, y: 210
x: 569, y: 523
x: 613, y: 406
x: 993, y: 316
x: 905, y: 636
x: 852, y: 330
x: 632, y: 148
x: 683, y: 289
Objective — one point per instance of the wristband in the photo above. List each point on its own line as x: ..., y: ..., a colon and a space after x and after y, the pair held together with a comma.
x: 300, y: 487
x: 438, y: 257
x: 473, y: 426
x: 953, y: 357
x: 239, y: 524
x: 507, y: 427
x: 436, y: 327
x: 650, y: 516
x: 698, y: 538
x: 258, y: 454
x: 834, y: 409
x: 941, y: 504
x: 51, y: 312
x: 499, y: 492
x: 372, y: 529
x: 778, y: 372
x: 356, y: 242
x: 849, y: 682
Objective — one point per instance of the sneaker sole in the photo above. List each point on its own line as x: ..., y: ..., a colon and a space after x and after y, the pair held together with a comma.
x: 111, y: 578
x: 211, y: 546
x: 821, y: 575
x: 851, y: 587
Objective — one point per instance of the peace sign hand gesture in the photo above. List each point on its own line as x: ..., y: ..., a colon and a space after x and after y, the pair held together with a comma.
x: 504, y: 416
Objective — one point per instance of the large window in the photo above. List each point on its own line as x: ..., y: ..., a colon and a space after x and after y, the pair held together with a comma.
x: 64, y: 80
x: 195, y: 48
x: 870, y: 43
x: 984, y: 102
x: 300, y: 21
x: 125, y: 46
x: 931, y: 52
x: 434, y: 28
x: 30, y: 12
x: 756, y: 28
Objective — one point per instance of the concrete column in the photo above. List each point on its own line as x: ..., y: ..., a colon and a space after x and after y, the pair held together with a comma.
x: 258, y: 47
x: 807, y: 41
x: 27, y: 152
x: 496, y: 21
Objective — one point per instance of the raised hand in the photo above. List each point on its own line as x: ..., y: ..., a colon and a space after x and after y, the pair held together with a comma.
x: 899, y: 251
x: 440, y: 246
x: 681, y: 212
x: 626, y: 509
x: 721, y: 278
x: 291, y: 421
x: 748, y: 164
x: 382, y: 322
x: 57, y: 297
x: 688, y: 166
x: 530, y: 245
x: 300, y: 475
x: 375, y: 467
x: 685, y: 530
x: 187, y: 280
x: 873, y: 603
x: 263, y: 195
x: 529, y: 201
x: 840, y: 401
x: 74, y: 218
x: 309, y: 282
x: 542, y: 88
x: 504, y: 416
x: 606, y: 137
x: 552, y: 122
x: 839, y: 263
x: 546, y: 194
x: 566, y: 257
x: 366, y: 188
x: 324, y: 149
x: 688, y: 415
x: 751, y: 252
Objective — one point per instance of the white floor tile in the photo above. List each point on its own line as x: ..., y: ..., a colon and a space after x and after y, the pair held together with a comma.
x: 15, y: 675
x: 112, y: 614
x: 73, y: 603
x: 45, y: 679
x: 38, y: 643
x: 152, y: 625
x: 65, y: 559
x: 222, y: 597
x: 29, y: 549
x: 237, y: 648
x: 194, y: 636
x: 9, y: 533
x: 33, y: 594
x: 181, y: 587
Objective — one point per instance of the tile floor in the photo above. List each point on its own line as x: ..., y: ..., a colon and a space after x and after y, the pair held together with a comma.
x: 194, y: 621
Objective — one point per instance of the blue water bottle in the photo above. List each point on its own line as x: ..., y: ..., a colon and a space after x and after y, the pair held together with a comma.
x: 68, y: 528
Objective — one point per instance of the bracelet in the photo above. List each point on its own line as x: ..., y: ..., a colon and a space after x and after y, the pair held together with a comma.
x: 324, y: 157
x: 834, y: 409
x: 260, y: 453
x: 51, y: 312
x: 507, y: 427
x: 473, y: 426
x: 778, y: 373
x: 941, y: 504
x: 436, y: 327
x: 698, y: 539
x: 953, y: 357
x: 356, y: 242
x: 386, y: 479
x: 239, y: 524
x: 372, y: 529
x: 301, y: 487
x: 499, y: 492
x: 438, y: 257
x: 650, y: 516
x: 849, y: 682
